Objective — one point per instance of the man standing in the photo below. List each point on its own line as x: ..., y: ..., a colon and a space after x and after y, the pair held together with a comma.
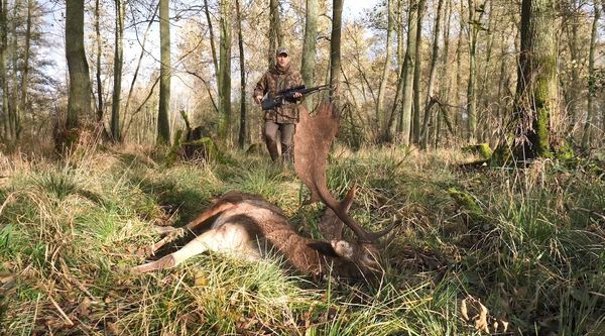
x: 283, y: 118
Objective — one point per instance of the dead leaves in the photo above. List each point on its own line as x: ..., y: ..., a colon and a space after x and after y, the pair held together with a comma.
x: 475, y: 313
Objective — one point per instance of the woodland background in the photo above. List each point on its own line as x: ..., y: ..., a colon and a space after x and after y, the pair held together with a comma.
x: 430, y: 73
x: 475, y: 125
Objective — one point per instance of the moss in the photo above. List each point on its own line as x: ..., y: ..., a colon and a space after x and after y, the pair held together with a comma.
x: 465, y: 200
x: 542, y: 141
x: 482, y: 149
x: 564, y: 152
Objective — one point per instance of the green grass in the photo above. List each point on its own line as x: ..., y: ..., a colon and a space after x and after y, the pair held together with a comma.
x: 529, y: 244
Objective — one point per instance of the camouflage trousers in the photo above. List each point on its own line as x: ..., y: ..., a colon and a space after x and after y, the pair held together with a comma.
x: 280, y: 140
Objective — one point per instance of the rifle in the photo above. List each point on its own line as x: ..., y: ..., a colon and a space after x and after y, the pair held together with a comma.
x: 288, y: 95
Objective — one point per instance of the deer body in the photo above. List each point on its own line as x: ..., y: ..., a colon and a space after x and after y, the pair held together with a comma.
x: 247, y: 225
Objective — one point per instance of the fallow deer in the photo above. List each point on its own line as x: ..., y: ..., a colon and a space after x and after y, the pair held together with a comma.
x: 243, y: 224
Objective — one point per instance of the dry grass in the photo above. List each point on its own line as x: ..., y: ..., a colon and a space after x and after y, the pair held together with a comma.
x: 528, y: 244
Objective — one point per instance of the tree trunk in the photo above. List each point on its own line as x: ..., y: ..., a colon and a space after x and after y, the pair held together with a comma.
x: 432, y: 75
x: 117, y: 71
x: 380, y: 115
x: 225, y: 70
x: 211, y: 32
x: 445, y: 76
x: 276, y: 37
x: 400, y: 35
x: 335, y: 47
x: 537, y: 78
x: 79, y: 81
x: 100, y: 106
x: 471, y: 98
x: 587, y: 136
x: 458, y: 83
x: 417, y: 69
x: 243, y: 130
x: 3, y: 79
x: 407, y: 73
x: 164, y: 103
x: 26, y: 58
x: 308, y: 54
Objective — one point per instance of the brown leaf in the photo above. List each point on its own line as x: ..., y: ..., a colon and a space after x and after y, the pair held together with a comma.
x: 473, y: 311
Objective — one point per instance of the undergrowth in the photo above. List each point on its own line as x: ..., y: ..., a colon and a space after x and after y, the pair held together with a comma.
x: 529, y: 244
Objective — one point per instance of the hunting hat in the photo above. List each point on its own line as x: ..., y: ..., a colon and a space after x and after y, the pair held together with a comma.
x: 281, y: 50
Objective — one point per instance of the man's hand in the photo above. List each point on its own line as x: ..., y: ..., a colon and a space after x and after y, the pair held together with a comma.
x: 258, y: 99
x: 297, y: 95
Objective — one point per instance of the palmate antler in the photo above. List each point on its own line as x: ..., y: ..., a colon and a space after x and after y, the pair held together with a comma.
x: 313, y: 138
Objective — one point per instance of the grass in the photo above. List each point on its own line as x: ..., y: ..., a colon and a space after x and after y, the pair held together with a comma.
x: 528, y: 244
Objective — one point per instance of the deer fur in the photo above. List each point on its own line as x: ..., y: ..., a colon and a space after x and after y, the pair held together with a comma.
x: 247, y: 226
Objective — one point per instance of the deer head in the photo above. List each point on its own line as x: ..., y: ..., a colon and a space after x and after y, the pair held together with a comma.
x: 313, y: 138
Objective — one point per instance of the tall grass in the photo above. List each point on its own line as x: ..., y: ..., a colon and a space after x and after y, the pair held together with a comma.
x: 529, y: 244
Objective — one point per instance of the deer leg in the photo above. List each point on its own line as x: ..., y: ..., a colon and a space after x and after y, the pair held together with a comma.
x: 171, y: 233
x: 228, y: 237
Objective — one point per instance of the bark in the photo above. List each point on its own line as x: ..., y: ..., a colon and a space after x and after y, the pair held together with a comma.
x: 400, y: 35
x: 458, y: 84
x: 335, y: 47
x: 118, y: 61
x: 225, y: 70
x: 3, y: 53
x: 310, y: 41
x: 380, y: 115
x: 100, y: 106
x: 243, y: 130
x: 444, y: 77
x: 573, y: 89
x: 537, y: 78
x: 587, y: 136
x: 407, y: 73
x: 211, y: 32
x: 432, y: 74
x: 23, y: 99
x: 471, y: 103
x: 165, y: 64
x: 417, y: 69
x: 79, y: 102
x: 276, y: 37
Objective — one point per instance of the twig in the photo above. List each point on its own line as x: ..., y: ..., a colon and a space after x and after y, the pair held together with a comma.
x: 69, y: 321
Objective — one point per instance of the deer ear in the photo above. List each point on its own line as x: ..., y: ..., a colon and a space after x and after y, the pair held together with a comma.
x: 324, y: 248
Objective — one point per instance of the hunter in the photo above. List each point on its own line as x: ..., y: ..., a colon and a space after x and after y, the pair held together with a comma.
x: 280, y: 122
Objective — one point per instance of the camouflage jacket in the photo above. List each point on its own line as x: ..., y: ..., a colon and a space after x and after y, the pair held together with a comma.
x: 273, y: 81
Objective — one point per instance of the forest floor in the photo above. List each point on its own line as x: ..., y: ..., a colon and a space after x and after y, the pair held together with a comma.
x: 475, y: 252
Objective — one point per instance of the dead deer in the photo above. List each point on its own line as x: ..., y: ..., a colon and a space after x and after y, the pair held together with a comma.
x: 244, y: 224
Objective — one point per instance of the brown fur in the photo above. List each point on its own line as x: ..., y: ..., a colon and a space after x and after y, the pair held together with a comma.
x: 268, y: 228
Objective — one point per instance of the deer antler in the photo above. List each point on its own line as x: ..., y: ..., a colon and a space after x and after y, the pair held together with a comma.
x: 313, y: 138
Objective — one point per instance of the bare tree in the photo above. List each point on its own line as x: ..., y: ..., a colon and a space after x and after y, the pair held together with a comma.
x: 385, y: 69
x: 165, y: 74
x: 407, y: 72
x: 243, y: 131
x: 79, y: 102
x: 309, y: 44
x: 588, y: 125
x: 335, y: 69
x: 118, y: 61
x: 224, y: 75
x: 537, y: 78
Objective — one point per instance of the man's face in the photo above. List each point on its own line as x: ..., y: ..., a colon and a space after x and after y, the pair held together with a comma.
x: 283, y: 60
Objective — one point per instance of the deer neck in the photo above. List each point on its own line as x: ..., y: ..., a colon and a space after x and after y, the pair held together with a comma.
x: 297, y: 251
